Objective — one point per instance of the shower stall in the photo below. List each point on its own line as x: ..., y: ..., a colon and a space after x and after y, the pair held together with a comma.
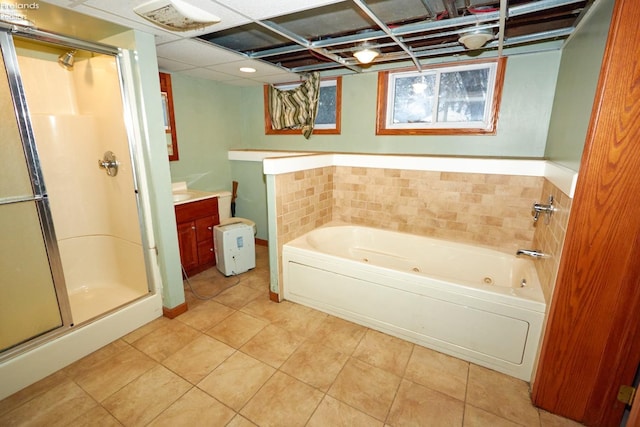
x: 77, y: 251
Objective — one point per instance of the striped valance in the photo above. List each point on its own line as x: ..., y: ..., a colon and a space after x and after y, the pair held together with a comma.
x: 295, y: 108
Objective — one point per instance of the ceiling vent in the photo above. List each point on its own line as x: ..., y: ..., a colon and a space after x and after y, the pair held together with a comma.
x: 175, y: 15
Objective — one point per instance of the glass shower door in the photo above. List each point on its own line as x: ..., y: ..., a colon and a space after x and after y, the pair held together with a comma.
x: 28, y: 297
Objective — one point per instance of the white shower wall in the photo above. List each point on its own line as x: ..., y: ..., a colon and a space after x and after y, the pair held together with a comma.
x: 95, y: 215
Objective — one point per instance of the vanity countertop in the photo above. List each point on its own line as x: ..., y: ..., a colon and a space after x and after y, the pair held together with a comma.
x: 181, y: 194
x: 188, y: 196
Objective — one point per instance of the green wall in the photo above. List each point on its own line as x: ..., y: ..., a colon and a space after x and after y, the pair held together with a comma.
x: 522, y: 125
x: 252, y: 194
x: 577, y: 81
x: 208, y: 123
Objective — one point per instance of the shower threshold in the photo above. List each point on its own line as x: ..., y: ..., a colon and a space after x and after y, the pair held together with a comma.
x: 89, y: 302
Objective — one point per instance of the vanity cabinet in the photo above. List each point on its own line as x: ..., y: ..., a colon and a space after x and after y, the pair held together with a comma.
x: 195, y: 222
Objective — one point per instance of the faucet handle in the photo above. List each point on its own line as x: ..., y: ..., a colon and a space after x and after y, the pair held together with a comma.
x: 535, y: 212
x: 548, y: 209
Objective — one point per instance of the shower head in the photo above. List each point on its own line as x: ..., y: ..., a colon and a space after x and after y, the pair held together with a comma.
x: 66, y: 60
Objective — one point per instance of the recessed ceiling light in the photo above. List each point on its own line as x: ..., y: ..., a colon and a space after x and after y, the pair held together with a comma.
x: 247, y: 70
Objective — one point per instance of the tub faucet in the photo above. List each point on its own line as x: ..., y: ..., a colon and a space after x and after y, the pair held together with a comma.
x: 531, y: 253
x: 539, y: 208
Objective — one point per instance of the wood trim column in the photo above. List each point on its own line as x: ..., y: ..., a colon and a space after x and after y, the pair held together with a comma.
x: 592, y: 340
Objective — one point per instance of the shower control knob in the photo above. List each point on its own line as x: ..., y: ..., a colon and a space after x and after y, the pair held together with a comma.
x: 109, y: 163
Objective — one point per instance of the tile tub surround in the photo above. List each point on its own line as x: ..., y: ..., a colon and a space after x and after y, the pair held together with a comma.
x: 485, y: 209
x: 304, y: 201
x: 489, y: 210
x: 485, y: 201
x: 549, y: 238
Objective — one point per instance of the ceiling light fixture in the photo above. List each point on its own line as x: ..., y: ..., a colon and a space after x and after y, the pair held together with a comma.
x: 366, y: 54
x: 247, y: 69
x: 476, y: 39
x: 176, y: 15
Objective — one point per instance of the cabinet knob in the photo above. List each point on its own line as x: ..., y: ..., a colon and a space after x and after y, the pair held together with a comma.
x: 193, y: 227
x: 210, y: 249
x: 209, y: 228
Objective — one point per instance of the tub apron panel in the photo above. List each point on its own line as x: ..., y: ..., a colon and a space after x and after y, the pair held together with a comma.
x: 497, y: 331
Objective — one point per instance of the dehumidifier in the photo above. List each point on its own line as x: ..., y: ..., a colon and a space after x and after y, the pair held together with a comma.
x: 234, y: 248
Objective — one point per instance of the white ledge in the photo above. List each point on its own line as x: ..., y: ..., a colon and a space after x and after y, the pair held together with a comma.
x: 562, y: 177
x: 280, y: 162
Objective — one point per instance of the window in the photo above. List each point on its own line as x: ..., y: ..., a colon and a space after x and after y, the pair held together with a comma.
x: 444, y: 100
x: 329, y: 108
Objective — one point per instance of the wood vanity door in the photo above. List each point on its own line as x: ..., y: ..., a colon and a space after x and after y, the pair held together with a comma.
x: 188, y: 245
x: 204, y: 234
x: 195, y: 222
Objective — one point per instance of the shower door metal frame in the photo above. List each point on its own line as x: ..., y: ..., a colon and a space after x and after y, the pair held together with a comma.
x: 40, y: 196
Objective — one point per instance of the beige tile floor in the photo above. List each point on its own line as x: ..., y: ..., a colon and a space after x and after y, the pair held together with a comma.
x: 239, y: 359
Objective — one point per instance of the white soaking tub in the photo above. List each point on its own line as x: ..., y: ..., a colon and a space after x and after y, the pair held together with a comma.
x: 471, y: 302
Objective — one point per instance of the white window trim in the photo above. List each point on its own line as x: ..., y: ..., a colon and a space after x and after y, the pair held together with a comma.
x: 386, y: 100
x: 438, y: 72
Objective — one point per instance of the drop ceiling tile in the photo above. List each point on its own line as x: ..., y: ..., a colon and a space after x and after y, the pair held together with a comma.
x: 196, y: 53
x: 267, y: 9
x: 243, y: 82
x: 162, y: 37
x: 127, y: 20
x: 165, y: 64
x: 281, y: 78
x: 205, y: 73
x: 262, y: 68
x: 119, y: 11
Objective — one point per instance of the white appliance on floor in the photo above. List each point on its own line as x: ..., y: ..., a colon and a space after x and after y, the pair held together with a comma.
x: 234, y: 248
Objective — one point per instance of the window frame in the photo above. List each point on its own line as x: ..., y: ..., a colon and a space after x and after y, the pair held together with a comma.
x: 384, y: 102
x: 268, y: 129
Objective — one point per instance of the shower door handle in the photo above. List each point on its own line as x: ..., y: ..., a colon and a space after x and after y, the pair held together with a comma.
x: 109, y: 163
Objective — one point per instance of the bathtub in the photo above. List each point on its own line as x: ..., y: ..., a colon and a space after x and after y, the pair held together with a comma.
x: 477, y: 304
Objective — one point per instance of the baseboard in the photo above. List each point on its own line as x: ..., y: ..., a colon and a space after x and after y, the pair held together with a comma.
x: 262, y: 242
x: 274, y: 297
x: 175, y: 311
